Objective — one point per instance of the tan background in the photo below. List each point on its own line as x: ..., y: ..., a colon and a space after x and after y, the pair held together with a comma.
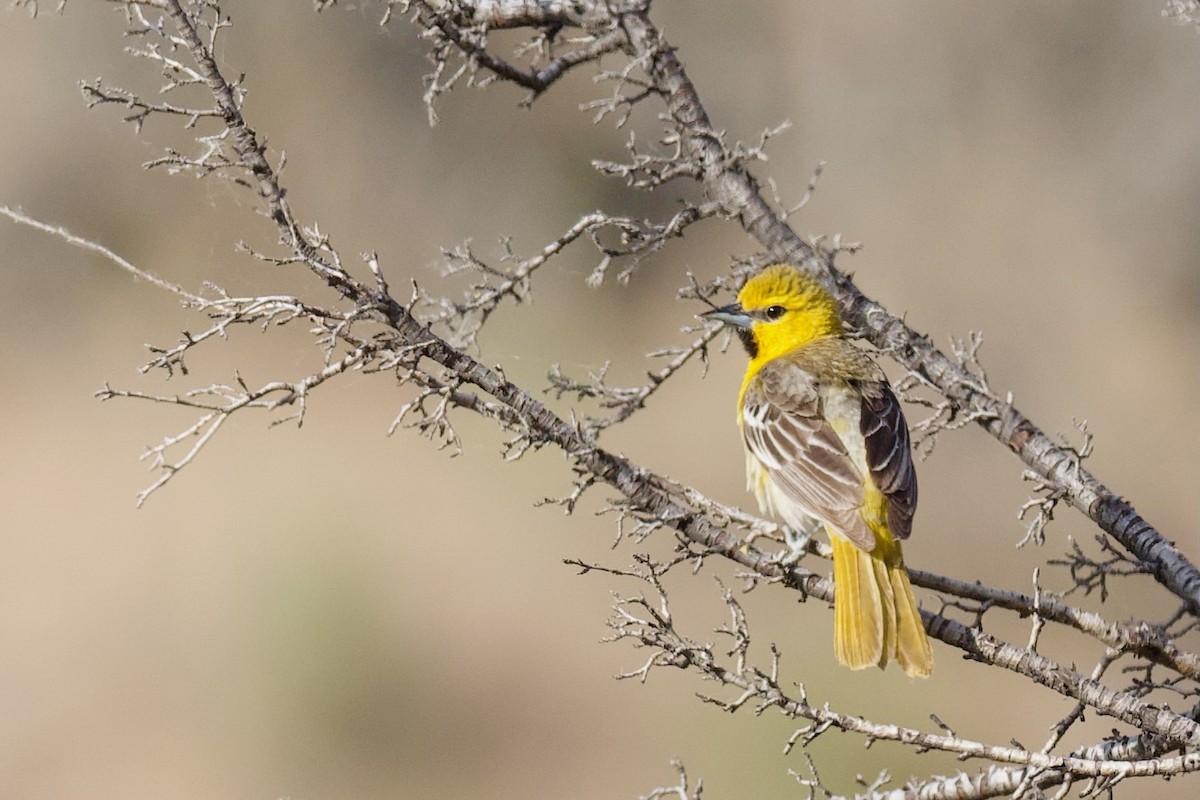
x: 331, y: 613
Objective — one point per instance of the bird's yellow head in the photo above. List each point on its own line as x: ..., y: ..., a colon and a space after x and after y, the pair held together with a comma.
x: 779, y: 310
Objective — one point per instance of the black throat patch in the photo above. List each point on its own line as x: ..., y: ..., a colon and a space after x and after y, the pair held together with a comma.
x: 748, y: 342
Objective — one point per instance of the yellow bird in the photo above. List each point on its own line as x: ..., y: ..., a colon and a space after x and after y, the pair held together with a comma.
x: 826, y: 439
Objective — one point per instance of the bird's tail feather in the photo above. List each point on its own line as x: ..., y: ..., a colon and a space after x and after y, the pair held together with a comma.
x: 876, y: 619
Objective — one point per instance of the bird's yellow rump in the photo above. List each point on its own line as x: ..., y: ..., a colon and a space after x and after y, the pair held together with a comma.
x: 826, y: 439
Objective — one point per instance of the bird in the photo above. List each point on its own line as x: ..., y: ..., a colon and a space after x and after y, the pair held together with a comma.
x: 826, y: 440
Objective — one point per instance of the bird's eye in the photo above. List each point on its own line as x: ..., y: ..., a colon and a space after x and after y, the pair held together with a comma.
x: 775, y: 312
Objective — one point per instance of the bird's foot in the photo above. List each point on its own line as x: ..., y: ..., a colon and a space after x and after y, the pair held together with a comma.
x: 798, y: 541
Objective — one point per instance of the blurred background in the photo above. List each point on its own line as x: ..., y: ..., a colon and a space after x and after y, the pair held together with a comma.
x: 329, y: 612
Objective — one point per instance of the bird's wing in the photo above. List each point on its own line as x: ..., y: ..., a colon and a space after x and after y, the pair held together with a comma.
x: 784, y: 426
x: 889, y: 456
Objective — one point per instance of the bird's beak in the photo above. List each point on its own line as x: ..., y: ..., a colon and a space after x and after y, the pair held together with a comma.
x: 732, y: 314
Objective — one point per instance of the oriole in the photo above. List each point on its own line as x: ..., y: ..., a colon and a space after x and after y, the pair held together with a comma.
x: 826, y: 439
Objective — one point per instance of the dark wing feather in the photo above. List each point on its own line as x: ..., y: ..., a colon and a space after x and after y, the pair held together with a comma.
x: 889, y: 455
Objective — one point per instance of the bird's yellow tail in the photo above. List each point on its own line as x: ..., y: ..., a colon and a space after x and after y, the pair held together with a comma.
x: 875, y: 615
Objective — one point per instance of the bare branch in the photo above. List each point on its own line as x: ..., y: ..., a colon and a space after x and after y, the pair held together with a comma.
x: 86, y: 244
x: 648, y: 622
x: 219, y: 403
x: 681, y: 790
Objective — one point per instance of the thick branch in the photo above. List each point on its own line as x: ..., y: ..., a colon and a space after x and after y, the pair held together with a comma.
x: 1141, y: 639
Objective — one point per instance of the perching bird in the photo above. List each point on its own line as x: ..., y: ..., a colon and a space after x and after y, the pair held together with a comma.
x: 826, y: 439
